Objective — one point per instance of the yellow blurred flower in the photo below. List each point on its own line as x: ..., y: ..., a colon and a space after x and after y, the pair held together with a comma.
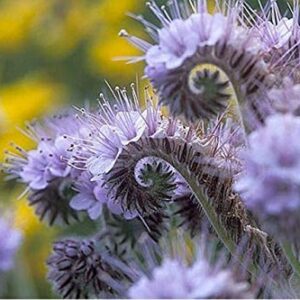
x: 21, y: 101
x: 27, y: 98
x: 65, y: 25
x: 107, y: 46
x: 26, y: 220
x: 102, y: 58
x: 112, y: 11
x: 17, y: 18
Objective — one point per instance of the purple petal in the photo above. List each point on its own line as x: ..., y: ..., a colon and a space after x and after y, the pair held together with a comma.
x: 81, y: 202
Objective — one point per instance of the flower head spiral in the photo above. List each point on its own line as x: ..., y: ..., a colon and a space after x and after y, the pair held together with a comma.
x: 199, y: 61
x: 124, y: 175
x: 118, y: 122
x: 77, y: 269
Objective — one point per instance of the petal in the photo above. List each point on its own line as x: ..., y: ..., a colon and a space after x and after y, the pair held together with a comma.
x: 82, y: 202
x: 114, y: 207
x: 100, y: 194
x: 95, y: 211
x: 39, y: 183
x: 100, y: 165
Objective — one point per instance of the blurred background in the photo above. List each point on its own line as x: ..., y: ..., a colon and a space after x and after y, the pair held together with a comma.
x: 54, y: 54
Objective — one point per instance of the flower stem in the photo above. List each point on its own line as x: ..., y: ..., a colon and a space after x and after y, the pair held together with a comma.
x: 288, y: 251
x: 211, y: 215
x: 245, y: 130
x: 209, y: 211
x: 184, y: 160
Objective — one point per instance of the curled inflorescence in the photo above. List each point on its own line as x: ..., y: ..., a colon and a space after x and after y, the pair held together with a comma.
x: 222, y: 164
x: 78, y: 269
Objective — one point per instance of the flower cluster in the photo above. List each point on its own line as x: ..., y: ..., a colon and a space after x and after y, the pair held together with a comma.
x: 199, y: 281
x: 78, y: 270
x: 55, y: 187
x: 224, y: 163
x: 270, y: 183
x: 45, y: 170
x: 197, y: 60
x: 119, y: 123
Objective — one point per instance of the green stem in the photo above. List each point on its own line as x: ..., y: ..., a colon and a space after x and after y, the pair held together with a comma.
x: 209, y: 211
x: 245, y: 130
x: 211, y: 215
x: 288, y: 251
x: 179, y: 156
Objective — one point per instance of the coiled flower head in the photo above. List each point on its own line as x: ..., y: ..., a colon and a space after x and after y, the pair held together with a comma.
x: 134, y: 184
x: 200, y: 61
x: 77, y: 269
x: 118, y: 122
x: 270, y: 183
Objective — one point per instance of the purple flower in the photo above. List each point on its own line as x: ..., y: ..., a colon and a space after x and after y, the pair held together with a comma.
x: 45, y: 169
x: 277, y: 35
x: 179, y: 39
x: 49, y: 160
x: 270, y: 184
x: 114, y: 126
x: 208, y: 28
x: 274, y: 30
x: 153, y: 119
x: 59, y: 155
x: 36, y: 172
x: 177, y: 42
x: 130, y: 126
x: 91, y: 196
x: 111, y: 128
x: 10, y: 240
x: 105, y: 149
x: 196, y: 56
x: 175, y: 280
x: 286, y: 99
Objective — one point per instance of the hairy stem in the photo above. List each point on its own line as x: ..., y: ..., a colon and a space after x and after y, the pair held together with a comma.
x: 207, y: 183
x: 193, y: 181
x: 246, y: 131
x: 240, y: 97
x: 288, y: 251
x: 208, y: 209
